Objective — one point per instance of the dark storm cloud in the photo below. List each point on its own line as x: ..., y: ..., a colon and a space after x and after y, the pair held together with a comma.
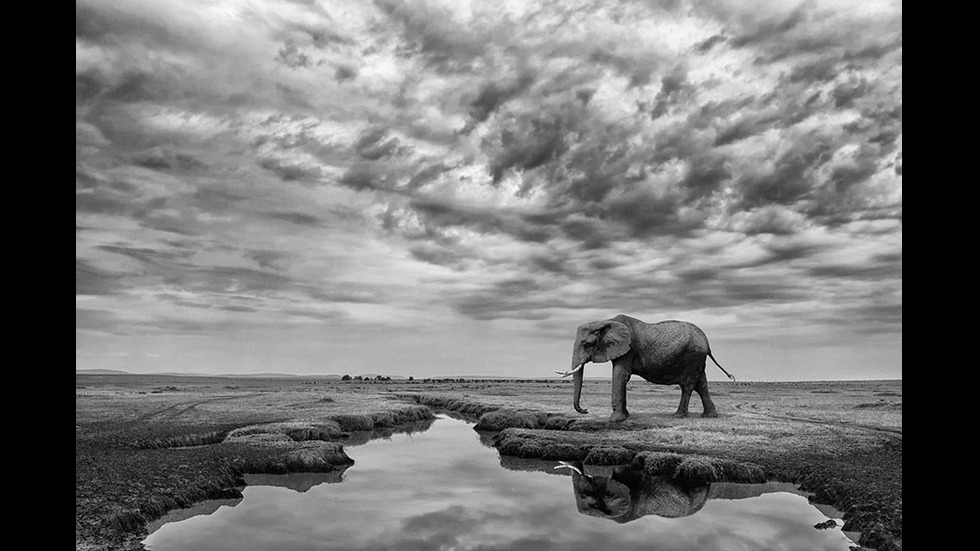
x: 165, y: 160
x: 879, y: 125
x: 427, y: 174
x: 492, y: 95
x: 362, y: 177
x: 847, y: 92
x: 376, y: 143
x: 772, y: 221
x: 590, y: 233
x: 351, y: 293
x: 555, y: 262
x: 432, y: 253
x: 90, y: 280
x: 604, y: 264
x: 238, y: 308
x: 705, y: 176
x: 180, y: 224
x: 107, y: 24
x: 433, y: 33
x: 527, y: 148
x: 769, y: 27
x: 148, y: 255
x: 101, y: 202
x: 101, y: 195
x: 345, y: 73
x: 269, y: 260
x: 871, y: 271
x: 521, y: 227
x: 791, y: 175
x: 291, y: 56
x: 223, y: 278
x: 780, y: 252
x: 175, y: 267
x: 95, y: 320
x: 844, y: 177
x: 217, y: 197
x: 290, y: 172
x: 296, y: 217
x: 674, y: 89
x: 822, y: 70
x: 876, y: 318
x: 492, y: 306
x: 745, y: 127
x: 708, y: 43
x: 331, y: 316
x: 645, y: 213
x: 523, y: 298
x: 104, y: 321
x: 130, y: 87
x: 635, y: 66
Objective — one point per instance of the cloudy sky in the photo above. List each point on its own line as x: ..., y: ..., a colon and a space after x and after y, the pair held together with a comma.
x: 451, y: 187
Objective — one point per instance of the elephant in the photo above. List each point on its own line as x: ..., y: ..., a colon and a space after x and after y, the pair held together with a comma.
x: 627, y: 495
x: 667, y: 353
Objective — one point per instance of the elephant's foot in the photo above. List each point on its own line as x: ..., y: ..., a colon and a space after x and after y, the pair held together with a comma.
x: 680, y: 414
x: 711, y: 413
x: 618, y: 416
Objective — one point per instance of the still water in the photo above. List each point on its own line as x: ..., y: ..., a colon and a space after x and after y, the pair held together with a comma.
x: 443, y: 489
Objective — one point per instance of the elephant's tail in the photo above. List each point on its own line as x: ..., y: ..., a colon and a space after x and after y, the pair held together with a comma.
x: 730, y: 376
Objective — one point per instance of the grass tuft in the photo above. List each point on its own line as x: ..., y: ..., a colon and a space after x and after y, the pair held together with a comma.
x: 656, y: 463
x: 351, y: 422
x: 521, y: 447
x: 564, y: 452
x: 735, y: 471
x: 511, y: 418
x: 697, y: 469
x: 609, y: 456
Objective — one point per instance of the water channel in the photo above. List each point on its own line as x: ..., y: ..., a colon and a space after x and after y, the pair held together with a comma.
x: 444, y: 489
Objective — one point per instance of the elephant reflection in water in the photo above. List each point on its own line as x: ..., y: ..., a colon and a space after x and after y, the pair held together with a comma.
x: 627, y: 495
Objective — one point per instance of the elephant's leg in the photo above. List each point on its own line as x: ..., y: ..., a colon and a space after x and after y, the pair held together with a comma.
x: 620, y: 376
x: 702, y: 390
x: 686, y: 391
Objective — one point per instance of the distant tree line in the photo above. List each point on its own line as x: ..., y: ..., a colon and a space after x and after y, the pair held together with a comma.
x: 451, y: 380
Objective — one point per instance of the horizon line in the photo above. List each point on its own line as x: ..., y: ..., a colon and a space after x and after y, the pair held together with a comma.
x: 98, y: 371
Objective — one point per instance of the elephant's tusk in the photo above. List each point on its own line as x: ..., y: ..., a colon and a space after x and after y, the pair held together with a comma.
x: 567, y: 373
x: 566, y: 465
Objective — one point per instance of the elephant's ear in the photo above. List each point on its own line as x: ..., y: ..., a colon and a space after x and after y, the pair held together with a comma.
x: 613, y: 343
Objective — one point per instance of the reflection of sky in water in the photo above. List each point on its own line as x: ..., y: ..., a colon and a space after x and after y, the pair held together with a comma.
x: 443, y: 490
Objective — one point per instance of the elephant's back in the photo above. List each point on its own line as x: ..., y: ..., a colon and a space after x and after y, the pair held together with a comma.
x: 664, y: 341
x: 673, y: 329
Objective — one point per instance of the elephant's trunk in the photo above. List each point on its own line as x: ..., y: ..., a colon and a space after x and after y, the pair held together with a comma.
x: 579, y: 373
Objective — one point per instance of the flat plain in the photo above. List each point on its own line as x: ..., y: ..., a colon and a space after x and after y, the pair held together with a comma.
x: 146, y: 445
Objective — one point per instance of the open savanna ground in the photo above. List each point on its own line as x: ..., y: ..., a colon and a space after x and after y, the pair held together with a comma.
x: 148, y: 444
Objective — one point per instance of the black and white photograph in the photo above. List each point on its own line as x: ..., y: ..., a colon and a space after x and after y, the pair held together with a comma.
x: 461, y: 275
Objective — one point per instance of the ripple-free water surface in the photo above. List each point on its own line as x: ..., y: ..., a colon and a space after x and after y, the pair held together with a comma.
x: 443, y: 489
